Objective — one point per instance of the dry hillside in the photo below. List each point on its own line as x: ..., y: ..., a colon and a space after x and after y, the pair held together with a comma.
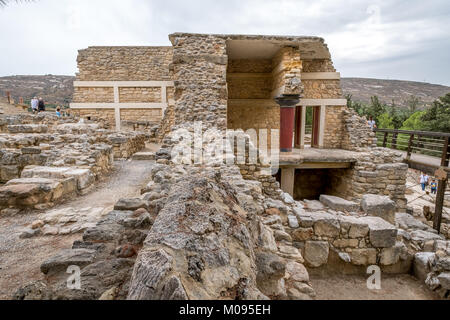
x: 58, y: 89
x: 400, y: 91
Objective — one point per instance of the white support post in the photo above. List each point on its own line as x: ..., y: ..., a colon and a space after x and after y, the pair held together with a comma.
x: 164, y: 98
x: 117, y: 107
x: 303, y: 127
x: 322, y: 125
x: 288, y: 180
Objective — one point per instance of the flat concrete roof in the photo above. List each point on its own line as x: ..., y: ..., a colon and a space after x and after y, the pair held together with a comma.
x: 318, y: 158
x: 265, y: 46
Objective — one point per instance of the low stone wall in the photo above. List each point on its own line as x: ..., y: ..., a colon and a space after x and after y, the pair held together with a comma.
x: 338, y: 242
x: 107, y: 115
x: 125, y: 145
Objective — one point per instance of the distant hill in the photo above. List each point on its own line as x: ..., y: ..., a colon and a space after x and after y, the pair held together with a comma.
x: 58, y: 89
x: 400, y: 91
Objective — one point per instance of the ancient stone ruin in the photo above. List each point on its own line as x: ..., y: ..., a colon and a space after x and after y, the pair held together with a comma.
x: 209, y: 228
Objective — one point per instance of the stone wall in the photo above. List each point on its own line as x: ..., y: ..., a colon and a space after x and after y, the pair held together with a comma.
x: 249, y: 87
x: 321, y: 89
x: 137, y: 94
x: 254, y: 115
x: 151, y: 115
x: 124, y: 63
x: 287, y: 68
x: 167, y: 122
x: 318, y: 65
x: 334, y: 127
x: 200, y: 66
x: 93, y: 94
x: 95, y: 114
x: 357, y: 133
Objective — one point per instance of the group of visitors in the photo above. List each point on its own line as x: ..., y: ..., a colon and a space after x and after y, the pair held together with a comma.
x: 38, y: 105
x: 424, y: 182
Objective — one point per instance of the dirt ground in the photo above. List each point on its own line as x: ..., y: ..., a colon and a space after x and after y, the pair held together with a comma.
x: 20, y: 259
x: 354, y: 287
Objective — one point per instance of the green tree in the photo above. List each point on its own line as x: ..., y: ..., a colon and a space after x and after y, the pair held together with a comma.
x: 414, y: 122
x: 413, y: 103
x: 376, y: 108
x: 437, y: 118
x: 385, y: 121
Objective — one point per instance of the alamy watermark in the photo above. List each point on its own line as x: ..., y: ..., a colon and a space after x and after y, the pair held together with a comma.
x: 212, y: 147
x: 374, y: 281
x: 74, y: 280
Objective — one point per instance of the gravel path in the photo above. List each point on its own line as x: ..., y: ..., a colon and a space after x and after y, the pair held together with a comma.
x: 20, y: 259
x: 354, y: 287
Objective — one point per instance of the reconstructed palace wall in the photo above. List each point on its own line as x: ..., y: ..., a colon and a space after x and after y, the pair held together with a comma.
x: 124, y: 64
x: 200, y: 67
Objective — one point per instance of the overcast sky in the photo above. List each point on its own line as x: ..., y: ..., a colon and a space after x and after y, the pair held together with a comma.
x: 407, y: 40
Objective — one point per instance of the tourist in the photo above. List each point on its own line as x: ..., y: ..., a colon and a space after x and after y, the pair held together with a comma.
x: 58, y: 111
x: 423, y: 180
x: 372, y: 123
x: 433, y: 187
x: 34, y: 104
x: 41, y: 105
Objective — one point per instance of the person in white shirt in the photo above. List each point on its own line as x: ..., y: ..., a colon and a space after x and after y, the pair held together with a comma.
x: 34, y: 104
x: 424, y: 180
x: 372, y: 123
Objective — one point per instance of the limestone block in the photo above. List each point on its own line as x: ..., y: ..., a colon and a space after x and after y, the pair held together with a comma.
x: 68, y: 257
x: 390, y: 256
x: 302, y: 234
x: 407, y: 221
x: 422, y: 236
x: 379, y: 206
x: 293, y: 222
x: 327, y: 226
x: 357, y: 228
x: 421, y: 264
x: 84, y: 177
x: 363, y: 257
x: 381, y: 233
x: 337, y: 203
x: 316, y: 253
x: 444, y: 280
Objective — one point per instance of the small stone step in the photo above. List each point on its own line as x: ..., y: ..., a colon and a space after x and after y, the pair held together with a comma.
x: 144, y: 156
x: 337, y: 203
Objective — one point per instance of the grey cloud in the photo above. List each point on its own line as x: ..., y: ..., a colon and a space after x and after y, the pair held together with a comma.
x: 408, y: 41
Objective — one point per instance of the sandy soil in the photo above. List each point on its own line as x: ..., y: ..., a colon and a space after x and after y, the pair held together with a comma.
x: 20, y: 259
x: 354, y: 287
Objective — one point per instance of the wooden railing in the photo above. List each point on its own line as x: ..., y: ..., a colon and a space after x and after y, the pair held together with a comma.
x: 435, y: 144
x: 424, y: 142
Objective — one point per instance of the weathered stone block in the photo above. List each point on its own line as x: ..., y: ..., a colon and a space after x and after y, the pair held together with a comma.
x: 316, y: 253
x: 337, y: 203
x: 303, y: 234
x: 68, y: 257
x: 421, y: 264
x: 328, y: 227
x: 363, y: 257
x: 379, y: 206
x: 381, y: 233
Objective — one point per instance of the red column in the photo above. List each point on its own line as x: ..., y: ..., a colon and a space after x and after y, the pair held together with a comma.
x: 298, y: 126
x: 287, y: 116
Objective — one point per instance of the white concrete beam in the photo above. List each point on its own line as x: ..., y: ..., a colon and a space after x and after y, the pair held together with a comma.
x: 123, y: 83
